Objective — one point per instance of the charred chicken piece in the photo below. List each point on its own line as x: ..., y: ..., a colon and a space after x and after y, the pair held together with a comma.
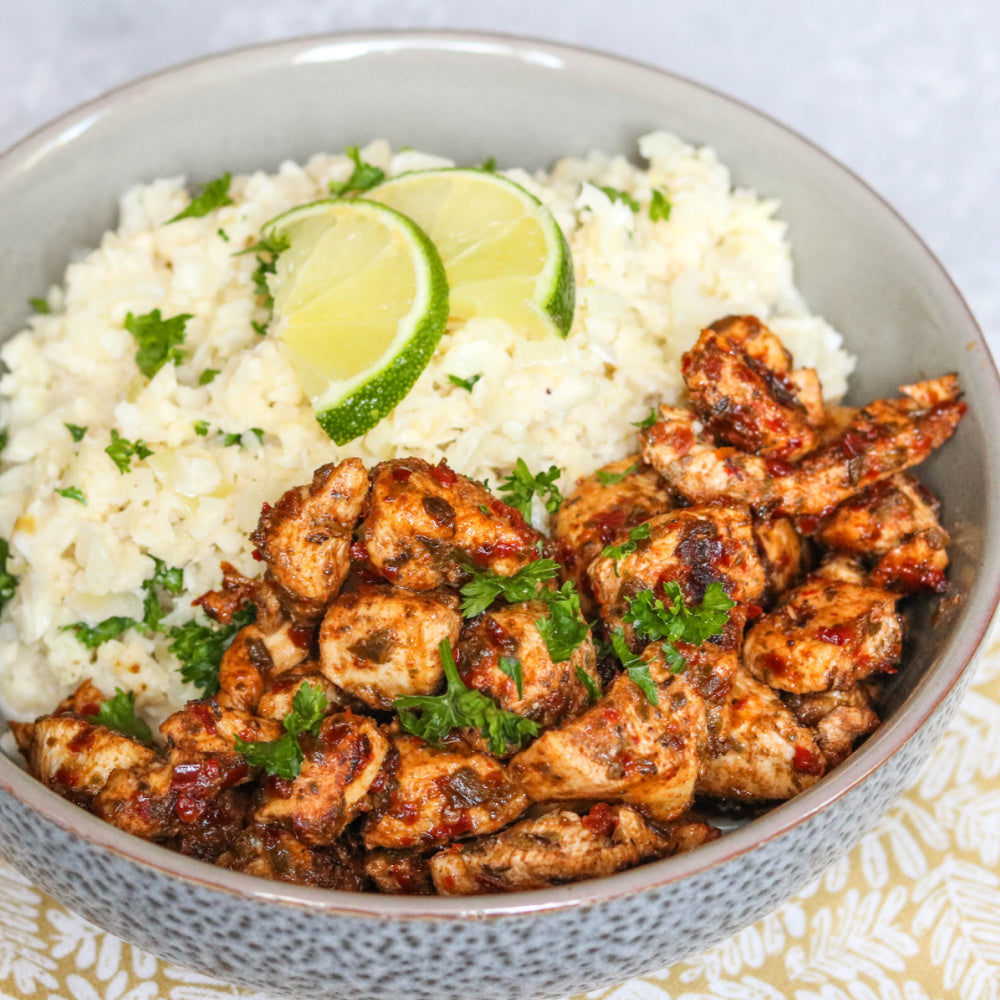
x: 251, y: 656
x: 378, y: 643
x: 426, y: 523
x: 305, y: 538
x: 838, y: 719
x: 400, y: 873
x: 782, y: 553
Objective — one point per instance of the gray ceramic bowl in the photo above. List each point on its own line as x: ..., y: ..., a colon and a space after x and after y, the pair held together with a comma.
x: 524, y: 102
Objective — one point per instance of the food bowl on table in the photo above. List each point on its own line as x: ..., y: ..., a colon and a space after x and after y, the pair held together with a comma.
x: 526, y: 103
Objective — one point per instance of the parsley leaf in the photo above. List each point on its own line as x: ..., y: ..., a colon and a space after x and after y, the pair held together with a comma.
x: 200, y: 647
x: 73, y: 493
x: 489, y: 165
x: 464, y: 383
x: 8, y: 582
x: 121, y: 451
x: 230, y: 440
x: 283, y: 757
x: 93, y: 636
x: 511, y: 666
x: 267, y: 249
x: 118, y: 713
x: 611, y: 478
x: 593, y: 691
x: 75, y: 431
x: 208, y: 376
x: 623, y: 196
x: 215, y: 194
x: 462, y: 707
x: 41, y: 306
x: 659, y: 206
x: 201, y: 428
x: 364, y: 177
x: 520, y: 486
x: 158, y: 340
x: 486, y: 586
x: 646, y: 422
x: 565, y: 628
x: 635, y: 535
x: 636, y: 667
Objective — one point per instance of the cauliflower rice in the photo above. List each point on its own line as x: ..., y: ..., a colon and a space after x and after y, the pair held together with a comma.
x: 644, y: 290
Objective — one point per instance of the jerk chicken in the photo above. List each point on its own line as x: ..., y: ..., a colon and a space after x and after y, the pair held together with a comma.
x: 428, y: 702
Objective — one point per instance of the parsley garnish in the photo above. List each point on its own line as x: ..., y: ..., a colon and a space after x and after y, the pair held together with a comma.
x: 611, y: 478
x: 3, y: 440
x: 75, y: 431
x: 158, y: 340
x: 93, y: 636
x: 486, y: 586
x: 635, y: 535
x: 200, y: 648
x: 229, y: 440
x: 201, y: 428
x: 267, y: 249
x: 489, y: 165
x: 41, y: 306
x: 121, y: 451
x: 623, y: 196
x: 511, y: 666
x: 73, y: 493
x: 636, y: 667
x: 223, y: 235
x: 593, y: 691
x: 364, y: 177
x: 520, y: 486
x: 461, y: 707
x: 118, y: 713
x: 464, y: 383
x: 8, y: 582
x: 283, y: 757
x: 215, y: 194
x: 565, y: 628
x: 208, y: 376
x: 258, y: 432
x: 659, y: 206
x: 647, y: 422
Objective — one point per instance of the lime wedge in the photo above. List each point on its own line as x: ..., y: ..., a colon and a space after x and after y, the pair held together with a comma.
x: 360, y: 303
x: 504, y: 253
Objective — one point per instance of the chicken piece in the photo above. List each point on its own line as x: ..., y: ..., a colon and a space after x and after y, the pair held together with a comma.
x: 378, y: 643
x: 893, y: 522
x: 842, y: 568
x: 305, y: 538
x: 838, y: 719
x: 769, y: 756
x: 824, y: 634
x: 346, y: 771
x: 597, y: 513
x: 882, y: 439
x: 622, y: 749
x: 782, y: 554
x: 556, y: 848
x: 550, y: 692
x: 84, y: 702
x: 236, y: 593
x: 441, y: 795
x: 75, y: 757
x: 205, y: 727
x: 270, y: 852
x: 280, y: 688
x: 426, y: 523
x: 141, y: 800
x: 251, y: 655
x: 739, y: 378
x: 405, y: 873
x: 694, y: 546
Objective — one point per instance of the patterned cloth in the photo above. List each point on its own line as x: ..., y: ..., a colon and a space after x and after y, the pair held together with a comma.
x: 912, y: 913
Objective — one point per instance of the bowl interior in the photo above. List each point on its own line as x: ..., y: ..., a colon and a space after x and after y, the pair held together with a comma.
x: 527, y: 103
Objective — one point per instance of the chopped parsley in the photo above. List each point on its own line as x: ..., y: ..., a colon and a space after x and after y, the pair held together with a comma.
x: 259, y: 328
x: 118, y: 713
x: 201, y: 428
x: 635, y: 535
x: 461, y: 707
x: 3, y: 440
x: 231, y: 440
x: 215, y: 194
x: 223, y: 235
x: 511, y: 666
x: 464, y: 383
x: 565, y: 628
x: 283, y: 757
x: 208, y: 376
x: 93, y: 636
x: 659, y: 206
x: 258, y: 432
x: 489, y: 165
x: 636, y: 667
x: 41, y: 306
x: 611, y: 478
x: 521, y: 486
x: 593, y: 690
x: 159, y: 339
x: 615, y: 194
x: 73, y: 493
x: 486, y: 586
x: 267, y: 249
x: 121, y: 451
x: 364, y: 177
x: 200, y: 647
x: 8, y: 582
x: 648, y: 421
x: 75, y: 431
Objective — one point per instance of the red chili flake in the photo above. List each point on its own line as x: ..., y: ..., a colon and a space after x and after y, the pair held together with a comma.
x: 836, y: 635
x: 204, y: 715
x: 301, y: 636
x: 257, y: 555
x: 358, y: 552
x: 777, y: 467
x: 443, y: 475
x: 807, y: 761
x: 600, y: 820
x: 401, y: 474
x: 853, y: 444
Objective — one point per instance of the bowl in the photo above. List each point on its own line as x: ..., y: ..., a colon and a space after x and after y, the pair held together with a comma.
x: 525, y: 102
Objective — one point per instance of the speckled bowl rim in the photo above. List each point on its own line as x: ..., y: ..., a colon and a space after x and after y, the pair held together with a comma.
x: 918, y: 707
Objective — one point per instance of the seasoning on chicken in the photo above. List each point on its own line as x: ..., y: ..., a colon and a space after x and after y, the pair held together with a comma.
x: 280, y: 688
x: 378, y: 643
x: 305, y: 538
x: 425, y: 523
x: 405, y: 873
x: 252, y: 655
x: 782, y: 554
x: 839, y: 719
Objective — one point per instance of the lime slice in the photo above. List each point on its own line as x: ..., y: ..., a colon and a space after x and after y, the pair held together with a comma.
x: 504, y: 253
x: 361, y: 301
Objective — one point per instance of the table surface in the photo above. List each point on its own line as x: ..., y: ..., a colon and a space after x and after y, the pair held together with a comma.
x: 906, y: 95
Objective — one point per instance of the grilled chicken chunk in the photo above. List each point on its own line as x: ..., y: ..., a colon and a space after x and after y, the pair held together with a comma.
x: 838, y: 719
x: 740, y: 381
x: 280, y: 688
x: 559, y: 847
x: 769, y: 755
x: 400, y: 873
x: 305, y: 538
x: 824, y: 634
x: 380, y: 642
x: 782, y: 554
x: 426, y: 523
x: 443, y: 794
x: 251, y: 656
x: 623, y: 749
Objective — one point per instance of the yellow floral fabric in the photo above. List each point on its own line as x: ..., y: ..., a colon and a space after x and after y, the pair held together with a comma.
x: 912, y: 913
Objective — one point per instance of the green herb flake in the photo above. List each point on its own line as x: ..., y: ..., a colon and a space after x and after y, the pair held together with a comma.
x: 612, y: 478
x: 75, y: 431
x: 41, y: 306
x: 635, y: 666
x: 93, y: 636
x: 593, y: 690
x: 615, y: 194
x: 432, y: 717
x: 646, y: 422
x: 201, y: 428
x: 232, y: 440
x: 159, y: 339
x: 118, y: 713
x: 258, y: 433
x: 267, y: 249
x: 215, y: 194
x: 511, y: 666
x: 199, y: 649
x: 521, y: 486
x: 8, y: 582
x: 637, y: 534
x: 208, y: 376
x: 659, y: 206
x: 524, y: 585
x: 565, y: 628
x: 121, y: 451
x: 223, y: 235
x: 259, y: 328
x: 73, y: 493
x: 489, y: 165
x: 464, y: 383
x: 364, y: 177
